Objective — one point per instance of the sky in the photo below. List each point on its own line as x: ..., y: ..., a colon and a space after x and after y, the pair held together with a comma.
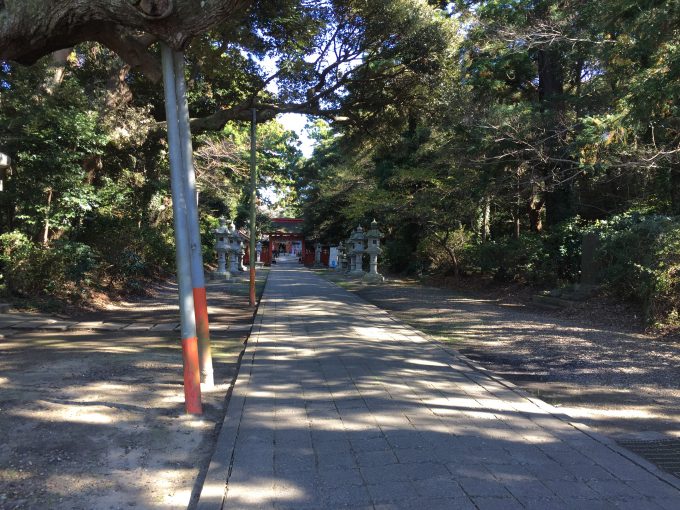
x: 296, y: 122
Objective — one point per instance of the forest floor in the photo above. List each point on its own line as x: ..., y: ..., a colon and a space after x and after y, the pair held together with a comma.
x: 596, y: 363
x: 94, y: 418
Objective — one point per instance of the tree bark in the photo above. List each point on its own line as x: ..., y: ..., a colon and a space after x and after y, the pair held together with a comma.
x: 675, y: 189
x: 46, y: 231
x: 30, y: 29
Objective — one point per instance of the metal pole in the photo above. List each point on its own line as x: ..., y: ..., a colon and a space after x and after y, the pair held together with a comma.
x: 253, y: 204
x: 189, y: 182
x: 192, y: 379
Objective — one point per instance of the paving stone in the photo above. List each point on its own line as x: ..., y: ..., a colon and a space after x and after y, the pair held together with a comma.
x: 439, y: 487
x: 391, y: 491
x: 166, y: 326
x: 138, y: 326
x: 376, y: 458
x: 110, y: 326
x: 478, y: 487
x: 350, y: 497
x: 491, y: 503
x: 87, y: 325
x: 336, y: 478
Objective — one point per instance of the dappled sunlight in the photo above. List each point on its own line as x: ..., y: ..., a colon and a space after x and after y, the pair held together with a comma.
x: 424, y: 362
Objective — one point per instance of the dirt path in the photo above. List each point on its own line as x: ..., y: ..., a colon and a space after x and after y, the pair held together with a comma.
x: 95, y: 419
x: 621, y: 383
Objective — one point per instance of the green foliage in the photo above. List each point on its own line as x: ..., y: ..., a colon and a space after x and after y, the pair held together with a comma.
x: 640, y: 261
x: 64, y: 270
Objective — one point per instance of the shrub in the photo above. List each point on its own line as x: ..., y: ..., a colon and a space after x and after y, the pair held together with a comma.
x: 640, y: 256
x: 62, y: 270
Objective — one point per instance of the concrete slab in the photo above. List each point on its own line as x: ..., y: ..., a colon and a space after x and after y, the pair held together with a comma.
x: 110, y: 326
x: 166, y: 326
x: 138, y: 326
x: 87, y: 325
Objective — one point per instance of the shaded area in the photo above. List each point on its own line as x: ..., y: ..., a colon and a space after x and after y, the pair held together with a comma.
x: 621, y: 383
x: 96, y: 419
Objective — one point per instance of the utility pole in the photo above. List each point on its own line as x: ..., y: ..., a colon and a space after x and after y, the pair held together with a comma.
x: 189, y: 183
x: 192, y: 379
x: 253, y: 204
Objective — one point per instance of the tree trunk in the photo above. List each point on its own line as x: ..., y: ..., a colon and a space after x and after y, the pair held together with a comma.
x: 675, y: 189
x: 534, y: 207
x: 30, y: 29
x: 486, y: 219
x: 46, y: 231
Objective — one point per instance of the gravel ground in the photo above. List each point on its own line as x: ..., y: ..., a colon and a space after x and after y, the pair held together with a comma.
x: 95, y: 419
x: 614, y: 379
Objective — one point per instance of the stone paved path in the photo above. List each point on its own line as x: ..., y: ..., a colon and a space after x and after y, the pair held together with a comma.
x: 337, y: 405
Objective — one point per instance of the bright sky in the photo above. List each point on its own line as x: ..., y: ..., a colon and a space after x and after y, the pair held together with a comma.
x: 296, y: 122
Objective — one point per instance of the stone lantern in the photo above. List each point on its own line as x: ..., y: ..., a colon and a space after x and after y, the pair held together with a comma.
x: 222, y: 247
x: 373, y: 249
x: 258, y: 250
x: 317, y: 255
x: 349, y: 255
x: 234, y: 248
x: 342, y: 261
x: 358, y: 251
x: 241, y: 256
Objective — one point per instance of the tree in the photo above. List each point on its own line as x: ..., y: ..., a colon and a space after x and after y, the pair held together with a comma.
x: 32, y: 29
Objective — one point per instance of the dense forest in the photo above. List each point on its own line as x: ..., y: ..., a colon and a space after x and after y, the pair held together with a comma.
x: 542, y: 122
x: 488, y: 138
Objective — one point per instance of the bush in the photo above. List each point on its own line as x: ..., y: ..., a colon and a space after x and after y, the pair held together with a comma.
x: 640, y: 257
x: 550, y: 258
x: 62, y: 270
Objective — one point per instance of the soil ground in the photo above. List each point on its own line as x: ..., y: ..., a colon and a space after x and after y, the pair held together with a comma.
x: 598, y: 366
x: 95, y: 419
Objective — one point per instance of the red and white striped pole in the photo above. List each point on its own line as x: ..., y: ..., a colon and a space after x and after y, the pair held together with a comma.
x: 189, y: 181
x: 192, y: 380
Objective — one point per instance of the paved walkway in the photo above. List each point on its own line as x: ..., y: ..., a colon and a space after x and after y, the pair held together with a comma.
x: 337, y: 405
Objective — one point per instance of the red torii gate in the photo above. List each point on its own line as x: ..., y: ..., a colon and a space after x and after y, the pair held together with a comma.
x: 286, y: 231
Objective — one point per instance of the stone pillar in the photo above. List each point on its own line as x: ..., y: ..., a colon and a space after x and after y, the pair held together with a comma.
x: 373, y: 249
x: 221, y: 247
x: 341, y: 258
x: 233, y: 249
x: 258, y: 250
x: 358, y: 244
x: 241, y: 256
x: 317, y: 255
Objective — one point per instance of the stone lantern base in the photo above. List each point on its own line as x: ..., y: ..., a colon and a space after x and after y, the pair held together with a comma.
x: 219, y: 275
x: 373, y: 278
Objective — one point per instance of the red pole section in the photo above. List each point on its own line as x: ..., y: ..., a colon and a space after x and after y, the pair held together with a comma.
x: 192, y: 377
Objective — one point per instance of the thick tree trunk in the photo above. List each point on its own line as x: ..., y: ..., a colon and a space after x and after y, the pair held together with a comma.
x: 534, y: 208
x: 46, y: 231
x: 675, y: 189
x: 30, y: 29
x: 486, y: 219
